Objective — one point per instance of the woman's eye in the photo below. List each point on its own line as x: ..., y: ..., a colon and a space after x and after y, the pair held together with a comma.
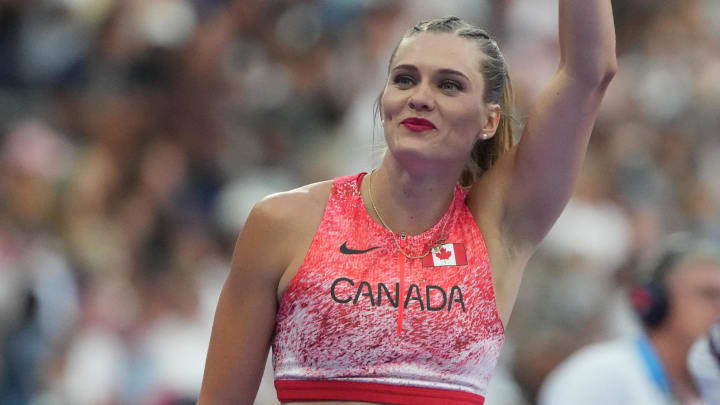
x: 450, y: 85
x: 404, y: 81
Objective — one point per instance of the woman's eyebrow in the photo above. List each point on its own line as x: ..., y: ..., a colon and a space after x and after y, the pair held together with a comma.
x: 444, y: 71
x: 453, y: 72
x: 405, y: 67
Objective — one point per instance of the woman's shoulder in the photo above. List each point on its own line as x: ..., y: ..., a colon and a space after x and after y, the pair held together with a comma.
x: 310, y: 196
x: 281, y: 226
x: 296, y: 208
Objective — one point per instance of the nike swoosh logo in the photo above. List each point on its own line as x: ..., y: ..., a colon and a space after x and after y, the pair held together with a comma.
x: 346, y: 250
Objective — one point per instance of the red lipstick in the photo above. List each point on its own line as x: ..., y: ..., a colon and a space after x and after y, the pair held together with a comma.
x: 417, y: 124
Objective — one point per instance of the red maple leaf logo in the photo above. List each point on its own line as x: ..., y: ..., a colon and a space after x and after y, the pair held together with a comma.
x: 443, y: 254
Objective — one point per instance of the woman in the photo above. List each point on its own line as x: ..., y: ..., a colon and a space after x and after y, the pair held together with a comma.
x: 378, y: 288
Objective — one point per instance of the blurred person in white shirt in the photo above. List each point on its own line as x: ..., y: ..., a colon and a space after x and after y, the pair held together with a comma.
x: 677, y: 303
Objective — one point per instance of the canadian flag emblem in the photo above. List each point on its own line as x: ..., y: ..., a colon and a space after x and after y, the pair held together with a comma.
x: 449, y: 254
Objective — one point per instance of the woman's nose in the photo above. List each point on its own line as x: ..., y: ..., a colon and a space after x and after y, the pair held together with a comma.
x: 421, y: 100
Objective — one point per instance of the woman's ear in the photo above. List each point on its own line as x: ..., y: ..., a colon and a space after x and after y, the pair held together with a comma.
x: 493, y: 112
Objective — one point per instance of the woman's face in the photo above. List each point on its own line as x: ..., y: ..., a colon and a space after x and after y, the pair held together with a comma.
x: 432, y: 105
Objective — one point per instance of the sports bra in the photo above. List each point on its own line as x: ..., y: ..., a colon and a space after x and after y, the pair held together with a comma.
x: 361, y: 322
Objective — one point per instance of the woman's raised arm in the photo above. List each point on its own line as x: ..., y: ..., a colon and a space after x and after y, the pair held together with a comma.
x: 536, y: 179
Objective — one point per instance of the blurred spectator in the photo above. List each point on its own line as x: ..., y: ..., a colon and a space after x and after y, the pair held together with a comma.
x: 677, y: 304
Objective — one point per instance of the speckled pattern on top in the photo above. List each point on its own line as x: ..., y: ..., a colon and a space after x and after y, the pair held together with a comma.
x: 365, y: 317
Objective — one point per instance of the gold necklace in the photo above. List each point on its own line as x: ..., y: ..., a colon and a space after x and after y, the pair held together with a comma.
x: 438, y: 242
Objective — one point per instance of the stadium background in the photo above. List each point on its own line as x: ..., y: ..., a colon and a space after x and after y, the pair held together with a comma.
x: 135, y: 135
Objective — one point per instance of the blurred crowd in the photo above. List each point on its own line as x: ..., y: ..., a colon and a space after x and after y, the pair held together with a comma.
x: 135, y: 136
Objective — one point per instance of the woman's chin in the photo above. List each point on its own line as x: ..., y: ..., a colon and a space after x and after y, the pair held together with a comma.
x: 418, y: 158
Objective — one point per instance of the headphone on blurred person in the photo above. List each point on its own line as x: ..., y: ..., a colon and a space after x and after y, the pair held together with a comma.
x: 650, y: 297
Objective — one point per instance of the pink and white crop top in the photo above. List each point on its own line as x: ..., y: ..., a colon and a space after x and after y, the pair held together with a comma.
x: 360, y: 322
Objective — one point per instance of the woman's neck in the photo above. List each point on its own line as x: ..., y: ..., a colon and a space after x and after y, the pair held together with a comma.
x: 405, y: 201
